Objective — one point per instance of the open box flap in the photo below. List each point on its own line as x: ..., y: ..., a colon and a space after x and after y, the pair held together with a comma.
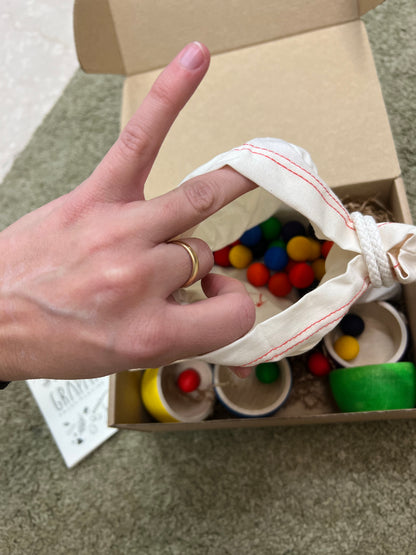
x: 319, y: 90
x: 135, y: 36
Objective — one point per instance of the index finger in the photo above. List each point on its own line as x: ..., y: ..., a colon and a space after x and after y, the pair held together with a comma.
x: 122, y: 173
x: 195, y: 200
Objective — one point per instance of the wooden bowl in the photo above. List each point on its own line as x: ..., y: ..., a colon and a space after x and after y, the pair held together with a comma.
x: 249, y: 397
x: 383, y: 340
x: 167, y: 403
x: 374, y: 387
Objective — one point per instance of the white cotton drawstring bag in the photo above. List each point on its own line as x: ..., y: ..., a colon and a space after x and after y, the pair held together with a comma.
x: 365, y: 254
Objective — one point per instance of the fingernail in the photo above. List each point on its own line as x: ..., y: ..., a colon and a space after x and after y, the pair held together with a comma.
x: 241, y: 371
x: 192, y: 56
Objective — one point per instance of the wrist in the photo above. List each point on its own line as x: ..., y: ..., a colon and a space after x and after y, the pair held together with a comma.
x: 9, y: 331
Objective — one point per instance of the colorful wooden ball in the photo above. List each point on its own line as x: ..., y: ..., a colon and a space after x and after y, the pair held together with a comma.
x: 222, y: 257
x: 315, y: 251
x: 252, y: 236
x: 299, y: 248
x: 276, y: 258
x: 277, y: 243
x: 326, y: 247
x: 318, y: 267
x: 271, y: 228
x: 347, y: 347
x: 240, y: 256
x: 260, y: 248
x: 279, y: 284
x: 290, y: 265
x: 352, y: 324
x: 267, y: 372
x: 188, y: 380
x: 258, y: 274
x: 318, y: 364
x: 301, y: 275
x: 291, y: 229
x: 310, y: 232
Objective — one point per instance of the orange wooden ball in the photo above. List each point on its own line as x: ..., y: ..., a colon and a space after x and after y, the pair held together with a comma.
x: 258, y: 274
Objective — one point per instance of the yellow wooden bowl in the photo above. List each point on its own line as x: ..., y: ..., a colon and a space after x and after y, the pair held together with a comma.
x: 167, y: 403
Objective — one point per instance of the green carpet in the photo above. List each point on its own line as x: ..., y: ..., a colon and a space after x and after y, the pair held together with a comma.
x: 312, y: 490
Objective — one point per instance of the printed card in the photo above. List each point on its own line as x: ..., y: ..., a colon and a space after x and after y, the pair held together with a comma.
x: 76, y: 413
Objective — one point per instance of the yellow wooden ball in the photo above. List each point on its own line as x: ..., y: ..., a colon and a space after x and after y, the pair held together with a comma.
x: 315, y: 249
x: 318, y: 267
x: 240, y: 256
x: 299, y: 248
x: 347, y: 347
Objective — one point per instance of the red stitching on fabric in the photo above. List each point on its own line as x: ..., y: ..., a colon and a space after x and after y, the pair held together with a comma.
x: 358, y: 294
x: 347, y: 223
x: 321, y: 183
x: 313, y: 333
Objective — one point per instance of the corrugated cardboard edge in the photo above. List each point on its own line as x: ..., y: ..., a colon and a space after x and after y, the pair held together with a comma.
x: 330, y: 418
x: 365, y: 6
x: 111, y: 416
x: 124, y: 399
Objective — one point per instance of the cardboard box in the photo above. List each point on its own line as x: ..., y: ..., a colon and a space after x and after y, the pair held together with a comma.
x: 300, y: 70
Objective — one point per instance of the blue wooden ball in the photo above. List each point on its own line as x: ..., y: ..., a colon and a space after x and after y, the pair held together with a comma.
x: 276, y: 258
x: 252, y: 236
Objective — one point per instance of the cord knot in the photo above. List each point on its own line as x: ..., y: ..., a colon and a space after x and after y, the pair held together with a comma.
x: 378, y: 266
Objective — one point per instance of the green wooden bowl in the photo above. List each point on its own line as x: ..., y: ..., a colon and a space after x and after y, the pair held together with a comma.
x: 374, y: 387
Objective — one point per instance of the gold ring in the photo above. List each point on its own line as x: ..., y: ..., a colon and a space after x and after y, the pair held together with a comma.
x: 194, y: 260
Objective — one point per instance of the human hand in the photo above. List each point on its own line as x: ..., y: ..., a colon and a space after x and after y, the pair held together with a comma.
x: 87, y: 280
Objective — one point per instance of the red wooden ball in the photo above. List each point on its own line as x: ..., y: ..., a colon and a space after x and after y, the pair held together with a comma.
x: 325, y: 248
x: 301, y: 275
x: 221, y: 257
x: 258, y: 274
x: 290, y: 265
x: 188, y: 380
x: 318, y: 364
x: 279, y: 284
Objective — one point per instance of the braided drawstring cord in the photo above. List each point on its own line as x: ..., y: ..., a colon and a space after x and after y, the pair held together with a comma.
x: 379, y: 269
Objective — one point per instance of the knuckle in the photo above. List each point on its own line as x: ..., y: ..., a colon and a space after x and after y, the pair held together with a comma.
x: 72, y: 207
x: 115, y: 281
x: 246, y: 315
x: 161, y: 94
x: 202, y: 195
x: 134, y: 140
